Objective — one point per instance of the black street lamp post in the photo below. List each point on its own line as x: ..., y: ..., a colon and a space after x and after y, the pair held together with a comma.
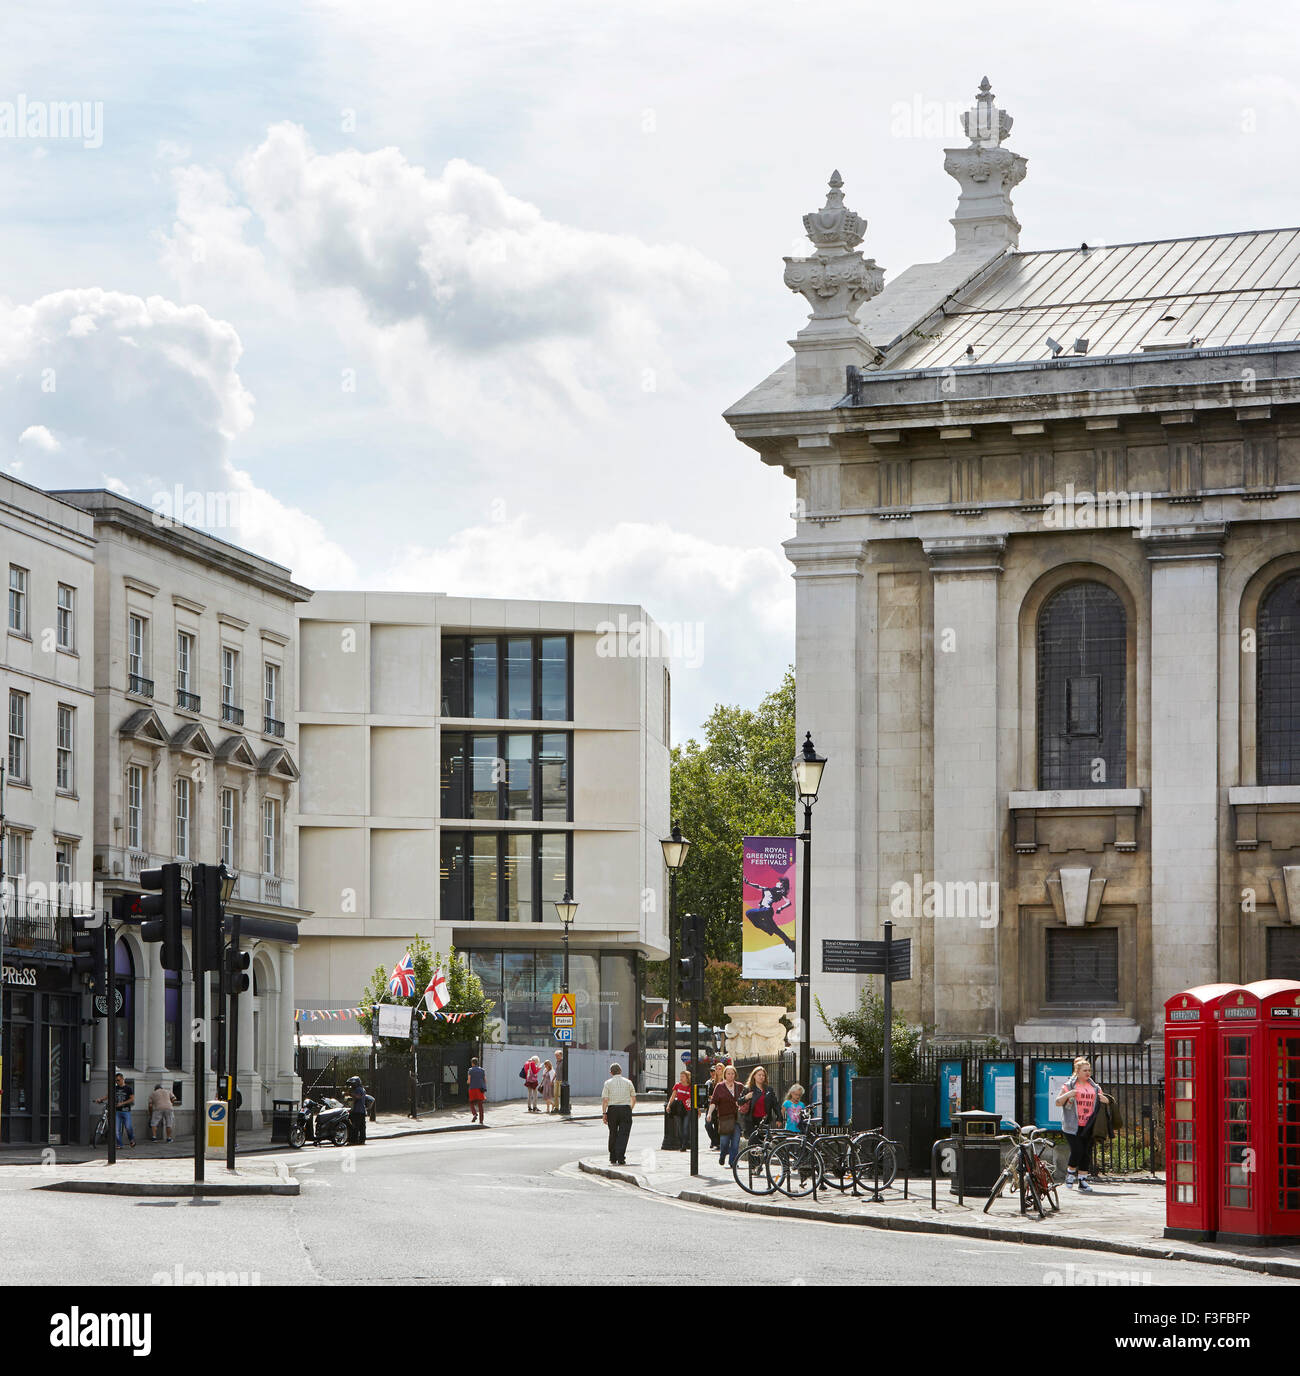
x: 566, y: 910
x: 807, y: 772
x: 675, y: 849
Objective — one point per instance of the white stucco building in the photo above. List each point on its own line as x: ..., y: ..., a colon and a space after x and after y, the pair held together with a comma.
x: 48, y: 660
x: 465, y: 761
x: 1048, y: 607
x: 195, y: 674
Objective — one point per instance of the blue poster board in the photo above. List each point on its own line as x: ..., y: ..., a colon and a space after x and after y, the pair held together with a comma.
x: 1000, y: 1082
x: 949, y: 1091
x: 1047, y: 1077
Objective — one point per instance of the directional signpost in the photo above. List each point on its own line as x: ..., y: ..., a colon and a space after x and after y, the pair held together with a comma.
x: 890, y: 958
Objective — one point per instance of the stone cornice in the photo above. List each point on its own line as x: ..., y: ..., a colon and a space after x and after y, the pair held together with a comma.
x: 836, y: 558
x: 965, y: 554
x: 1168, y: 544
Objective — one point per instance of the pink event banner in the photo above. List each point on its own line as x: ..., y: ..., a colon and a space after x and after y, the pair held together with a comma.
x: 768, y: 904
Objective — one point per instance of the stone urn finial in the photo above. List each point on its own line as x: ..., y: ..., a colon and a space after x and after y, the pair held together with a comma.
x: 987, y: 174
x: 835, y: 279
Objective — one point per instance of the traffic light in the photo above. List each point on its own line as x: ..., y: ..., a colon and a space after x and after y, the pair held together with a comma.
x: 691, y: 965
x: 88, y: 954
x: 237, y: 962
x: 163, y: 909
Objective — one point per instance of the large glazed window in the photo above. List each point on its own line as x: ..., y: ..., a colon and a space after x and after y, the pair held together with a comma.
x: 1082, y: 683
x: 1278, y: 709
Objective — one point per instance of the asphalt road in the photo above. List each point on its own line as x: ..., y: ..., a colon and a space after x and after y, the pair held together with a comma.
x: 501, y: 1207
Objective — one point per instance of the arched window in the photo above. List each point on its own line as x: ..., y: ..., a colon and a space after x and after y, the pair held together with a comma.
x: 124, y: 1023
x: 1278, y: 692
x: 1082, y: 682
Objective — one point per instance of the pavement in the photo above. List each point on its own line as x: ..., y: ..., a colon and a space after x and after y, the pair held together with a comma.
x: 1124, y: 1216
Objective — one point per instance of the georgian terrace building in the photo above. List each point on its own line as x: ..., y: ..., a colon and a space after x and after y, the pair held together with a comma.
x: 195, y: 674
x: 1048, y: 608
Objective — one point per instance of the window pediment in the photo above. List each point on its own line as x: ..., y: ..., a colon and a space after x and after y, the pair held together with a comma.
x: 145, y: 726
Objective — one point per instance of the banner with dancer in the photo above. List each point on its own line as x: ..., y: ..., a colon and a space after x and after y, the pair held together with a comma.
x: 768, y: 892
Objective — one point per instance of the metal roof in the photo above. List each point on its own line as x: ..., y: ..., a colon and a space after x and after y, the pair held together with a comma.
x: 1216, y: 291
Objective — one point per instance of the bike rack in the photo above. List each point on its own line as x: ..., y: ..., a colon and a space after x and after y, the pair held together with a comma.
x: 954, y: 1142
x: 881, y: 1144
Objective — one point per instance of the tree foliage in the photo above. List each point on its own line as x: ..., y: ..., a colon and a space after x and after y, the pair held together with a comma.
x: 735, y: 784
x: 724, y: 986
x: 861, y: 1037
x: 465, y: 990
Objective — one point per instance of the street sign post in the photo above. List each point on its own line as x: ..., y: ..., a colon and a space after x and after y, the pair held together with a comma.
x: 562, y: 1010
x: 564, y: 1034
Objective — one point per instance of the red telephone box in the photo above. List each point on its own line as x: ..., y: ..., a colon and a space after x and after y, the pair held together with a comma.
x: 1242, y: 1129
x: 1278, y: 1107
x: 1191, y: 1117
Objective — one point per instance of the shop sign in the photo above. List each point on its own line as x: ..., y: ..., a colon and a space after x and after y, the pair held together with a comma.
x: 23, y: 977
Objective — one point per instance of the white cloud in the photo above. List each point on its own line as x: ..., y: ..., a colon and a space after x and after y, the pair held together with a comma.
x: 40, y: 439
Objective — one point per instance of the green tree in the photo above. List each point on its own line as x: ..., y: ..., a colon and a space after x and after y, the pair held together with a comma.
x: 464, y: 988
x: 723, y: 985
x: 861, y: 1037
x: 735, y: 784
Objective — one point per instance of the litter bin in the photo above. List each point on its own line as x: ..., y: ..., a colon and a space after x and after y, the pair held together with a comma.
x: 283, y: 1112
x: 979, y: 1151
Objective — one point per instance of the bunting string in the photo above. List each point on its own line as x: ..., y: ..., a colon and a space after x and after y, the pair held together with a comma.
x: 325, y: 1014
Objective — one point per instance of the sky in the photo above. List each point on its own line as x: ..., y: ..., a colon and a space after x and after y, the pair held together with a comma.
x: 453, y: 297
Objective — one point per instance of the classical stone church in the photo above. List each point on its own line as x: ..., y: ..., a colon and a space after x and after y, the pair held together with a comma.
x: 1047, y: 564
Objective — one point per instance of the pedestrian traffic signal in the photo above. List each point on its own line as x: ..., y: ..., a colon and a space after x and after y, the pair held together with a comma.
x: 163, y: 909
x: 237, y: 962
x: 88, y: 954
x: 691, y: 965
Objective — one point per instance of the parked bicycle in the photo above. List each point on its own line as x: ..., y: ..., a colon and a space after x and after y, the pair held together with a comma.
x: 809, y: 1161
x: 1028, y: 1170
x: 100, y: 1135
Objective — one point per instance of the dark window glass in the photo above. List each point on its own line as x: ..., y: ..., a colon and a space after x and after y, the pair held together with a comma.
x: 519, y: 778
x: 1082, y: 687
x: 487, y: 966
x: 1278, y: 695
x: 549, y: 973
x: 453, y: 676
x: 453, y: 774
x: 519, y: 679
x: 618, y: 1009
x: 553, y: 772
x: 452, y: 876
x: 124, y: 965
x: 554, y: 861
x: 1283, y: 955
x: 483, y: 877
x: 1083, y: 967
x: 485, y: 779
x: 519, y: 877
x: 555, y: 678
x: 483, y: 671
x: 1083, y: 705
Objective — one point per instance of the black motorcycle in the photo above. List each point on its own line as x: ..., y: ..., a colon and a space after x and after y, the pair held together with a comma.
x: 319, y: 1120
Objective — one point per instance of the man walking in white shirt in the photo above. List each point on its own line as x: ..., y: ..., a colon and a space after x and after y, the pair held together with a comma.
x: 617, y: 1100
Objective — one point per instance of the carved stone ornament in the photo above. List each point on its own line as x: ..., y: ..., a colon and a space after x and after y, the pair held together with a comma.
x: 1075, y: 894
x: 835, y: 280
x: 1286, y: 893
x: 987, y: 174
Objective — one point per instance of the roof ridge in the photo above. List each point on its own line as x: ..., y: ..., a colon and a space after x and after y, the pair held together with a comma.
x: 1143, y: 243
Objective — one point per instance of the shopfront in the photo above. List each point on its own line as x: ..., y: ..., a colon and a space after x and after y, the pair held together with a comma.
x: 43, y: 1053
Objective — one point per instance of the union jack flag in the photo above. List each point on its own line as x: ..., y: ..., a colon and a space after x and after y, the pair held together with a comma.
x: 401, y: 983
x: 437, y: 994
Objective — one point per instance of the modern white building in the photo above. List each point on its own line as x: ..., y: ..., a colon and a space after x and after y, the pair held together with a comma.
x: 1048, y: 607
x: 47, y: 548
x: 195, y: 674
x: 466, y: 761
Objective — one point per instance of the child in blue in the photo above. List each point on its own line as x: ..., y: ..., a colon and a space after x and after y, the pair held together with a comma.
x: 792, y: 1110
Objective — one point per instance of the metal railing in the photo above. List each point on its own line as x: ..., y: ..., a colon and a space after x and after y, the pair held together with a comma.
x: 139, y: 686
x: 187, y: 702
x: 38, y: 923
x: 232, y: 715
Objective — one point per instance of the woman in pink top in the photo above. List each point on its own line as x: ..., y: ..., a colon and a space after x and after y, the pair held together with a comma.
x: 1078, y: 1100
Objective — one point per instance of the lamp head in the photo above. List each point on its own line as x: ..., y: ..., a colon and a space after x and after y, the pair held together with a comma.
x: 807, y: 771
x: 566, y: 910
x: 675, y: 849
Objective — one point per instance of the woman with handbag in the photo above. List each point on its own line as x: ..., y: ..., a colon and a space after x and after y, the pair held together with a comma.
x: 711, y: 1113
x: 759, y: 1104
x: 1079, y: 1101
x: 726, y: 1100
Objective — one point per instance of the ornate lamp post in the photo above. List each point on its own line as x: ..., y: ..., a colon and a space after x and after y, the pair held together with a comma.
x: 807, y: 772
x: 675, y: 849
x: 566, y: 910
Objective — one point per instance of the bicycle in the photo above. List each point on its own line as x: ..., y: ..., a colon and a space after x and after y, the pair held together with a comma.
x: 1027, y: 1171
x: 100, y: 1134
x: 750, y: 1167
x: 809, y: 1161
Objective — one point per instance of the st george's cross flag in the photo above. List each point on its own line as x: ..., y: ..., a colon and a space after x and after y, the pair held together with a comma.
x: 437, y: 994
x: 401, y: 983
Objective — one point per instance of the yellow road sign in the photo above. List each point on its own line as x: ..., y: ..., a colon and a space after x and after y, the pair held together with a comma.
x: 562, y: 1013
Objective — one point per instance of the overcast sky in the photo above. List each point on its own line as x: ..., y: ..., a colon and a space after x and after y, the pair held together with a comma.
x: 456, y: 295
